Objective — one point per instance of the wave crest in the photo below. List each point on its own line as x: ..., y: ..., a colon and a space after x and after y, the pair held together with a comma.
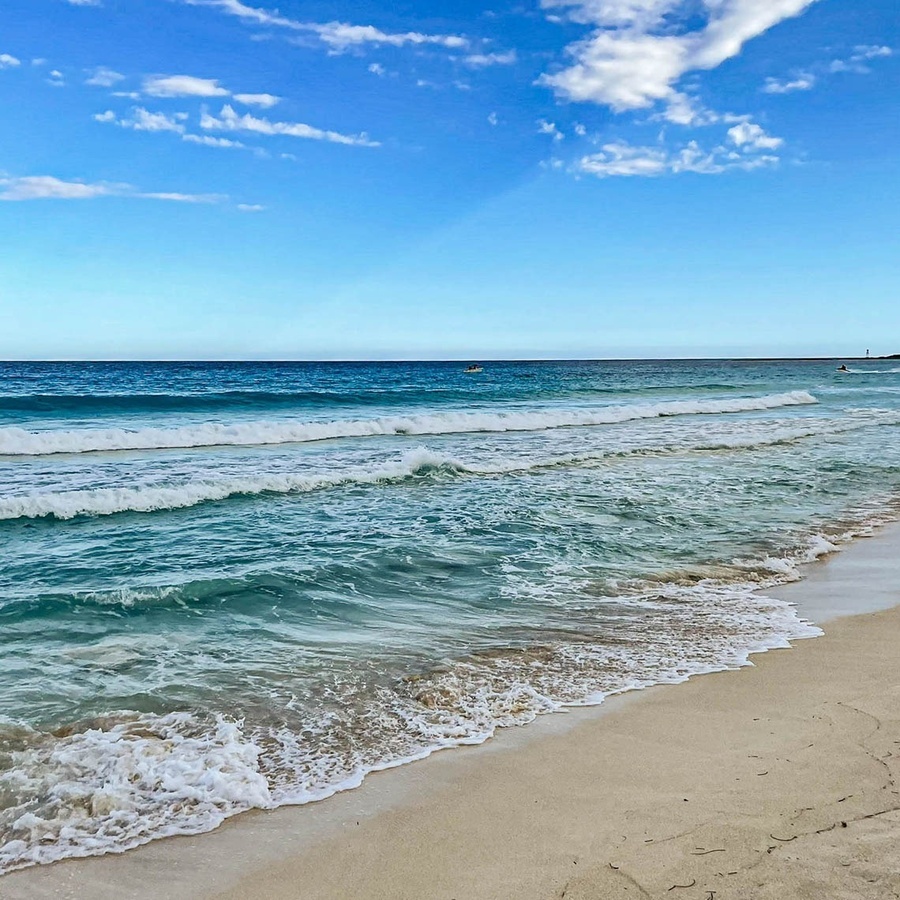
x: 19, y: 442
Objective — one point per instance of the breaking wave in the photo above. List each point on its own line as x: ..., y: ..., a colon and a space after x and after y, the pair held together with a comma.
x: 417, y: 463
x: 20, y: 442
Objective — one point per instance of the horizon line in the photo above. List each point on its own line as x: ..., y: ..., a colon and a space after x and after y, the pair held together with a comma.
x: 460, y: 359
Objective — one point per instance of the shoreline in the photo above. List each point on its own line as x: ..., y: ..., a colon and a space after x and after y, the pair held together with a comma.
x: 434, y: 811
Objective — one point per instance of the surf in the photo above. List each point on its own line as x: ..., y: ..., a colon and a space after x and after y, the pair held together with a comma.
x: 16, y: 441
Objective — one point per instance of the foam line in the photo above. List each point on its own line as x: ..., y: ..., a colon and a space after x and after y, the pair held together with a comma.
x: 19, y: 442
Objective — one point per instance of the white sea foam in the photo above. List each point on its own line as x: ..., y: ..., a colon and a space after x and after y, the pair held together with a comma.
x: 106, y: 501
x: 19, y: 442
x: 114, y: 786
x: 416, y: 462
x: 109, y: 788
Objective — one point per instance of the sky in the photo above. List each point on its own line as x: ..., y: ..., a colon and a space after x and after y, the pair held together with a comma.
x: 358, y: 179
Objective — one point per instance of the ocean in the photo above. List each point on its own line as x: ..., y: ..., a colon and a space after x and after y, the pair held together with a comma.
x: 227, y: 586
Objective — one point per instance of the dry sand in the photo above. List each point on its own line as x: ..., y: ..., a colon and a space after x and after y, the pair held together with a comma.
x: 777, y: 781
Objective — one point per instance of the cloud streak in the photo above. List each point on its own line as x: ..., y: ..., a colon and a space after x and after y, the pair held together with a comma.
x: 857, y: 62
x: 49, y: 187
x: 338, y: 36
x: 231, y: 121
x: 144, y: 120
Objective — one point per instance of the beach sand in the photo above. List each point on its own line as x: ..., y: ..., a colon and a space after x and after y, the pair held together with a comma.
x: 780, y: 780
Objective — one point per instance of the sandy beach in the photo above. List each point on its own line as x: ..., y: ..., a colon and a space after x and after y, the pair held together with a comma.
x: 776, y: 781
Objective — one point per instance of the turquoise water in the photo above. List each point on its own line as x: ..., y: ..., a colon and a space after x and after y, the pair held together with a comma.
x: 227, y: 586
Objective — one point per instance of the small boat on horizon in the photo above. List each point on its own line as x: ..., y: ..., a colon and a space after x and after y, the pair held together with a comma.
x: 474, y: 369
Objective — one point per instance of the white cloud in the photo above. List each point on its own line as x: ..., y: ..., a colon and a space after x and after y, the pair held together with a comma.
x: 683, y: 109
x: 378, y: 69
x: 8, y: 62
x: 56, y: 79
x: 493, y: 119
x: 751, y: 136
x: 857, y: 62
x: 482, y: 60
x: 623, y: 159
x: 183, y: 86
x: 265, y: 101
x: 144, y: 120
x: 871, y: 51
x: 84, y: 2
x: 46, y: 187
x: 613, y: 13
x: 175, y: 197
x: 339, y: 36
x: 861, y: 55
x: 636, y: 55
x: 545, y: 127
x: 250, y: 207
x: 620, y: 159
x: 207, y: 140
x: 804, y: 81
x: 229, y: 120
x: 104, y: 77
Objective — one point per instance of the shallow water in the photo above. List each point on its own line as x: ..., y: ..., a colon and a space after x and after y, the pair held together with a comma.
x: 227, y: 586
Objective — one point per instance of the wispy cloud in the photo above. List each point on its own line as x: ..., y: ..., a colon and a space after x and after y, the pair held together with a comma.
x: 143, y: 120
x: 858, y: 60
x: 48, y: 187
x: 338, y: 36
x: 101, y: 76
x: 752, y: 137
x: 250, y: 207
x: 804, y: 81
x: 264, y: 101
x: 483, y: 60
x: 549, y: 128
x: 637, y: 54
x: 175, y: 197
x: 207, y: 140
x: 183, y: 86
x: 621, y: 159
x: 229, y: 120
x: 9, y: 62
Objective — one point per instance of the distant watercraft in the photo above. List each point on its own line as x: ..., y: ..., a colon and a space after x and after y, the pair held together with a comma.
x: 474, y: 369
x: 843, y: 369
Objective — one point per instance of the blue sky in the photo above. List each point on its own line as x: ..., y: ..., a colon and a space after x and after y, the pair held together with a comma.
x: 537, y: 178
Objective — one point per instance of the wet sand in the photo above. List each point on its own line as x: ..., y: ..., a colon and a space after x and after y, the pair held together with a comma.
x: 780, y: 780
